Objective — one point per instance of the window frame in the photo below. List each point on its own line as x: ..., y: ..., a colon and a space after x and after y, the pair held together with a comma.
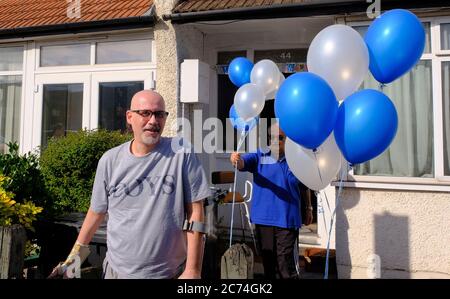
x: 68, y: 43
x: 93, y: 40
x: 22, y: 74
x: 118, y: 41
x: 436, y: 56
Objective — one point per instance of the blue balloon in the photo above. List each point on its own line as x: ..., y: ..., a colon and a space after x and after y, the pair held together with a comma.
x: 239, y: 124
x: 366, y: 125
x: 307, y: 109
x: 239, y: 71
x: 395, y: 41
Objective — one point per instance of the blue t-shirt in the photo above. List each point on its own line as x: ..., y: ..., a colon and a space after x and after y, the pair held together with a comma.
x: 276, y: 194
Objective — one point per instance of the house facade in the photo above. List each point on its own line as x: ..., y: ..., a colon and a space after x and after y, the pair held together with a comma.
x: 65, y: 66
x: 392, y: 216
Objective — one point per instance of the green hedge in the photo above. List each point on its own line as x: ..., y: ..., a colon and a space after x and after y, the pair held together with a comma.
x: 68, y: 165
x: 25, y: 179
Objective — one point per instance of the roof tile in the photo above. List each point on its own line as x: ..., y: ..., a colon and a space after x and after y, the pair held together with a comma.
x: 32, y: 13
x: 205, y: 5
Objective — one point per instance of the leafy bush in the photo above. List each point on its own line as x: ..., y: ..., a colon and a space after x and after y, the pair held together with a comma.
x: 25, y: 179
x: 12, y: 212
x: 68, y: 166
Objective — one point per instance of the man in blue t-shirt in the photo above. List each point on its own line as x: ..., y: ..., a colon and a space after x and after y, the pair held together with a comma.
x: 275, y: 205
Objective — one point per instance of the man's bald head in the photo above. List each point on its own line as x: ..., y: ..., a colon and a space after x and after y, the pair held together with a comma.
x: 147, y: 126
x: 144, y: 98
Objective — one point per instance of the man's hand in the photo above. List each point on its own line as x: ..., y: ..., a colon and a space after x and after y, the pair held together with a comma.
x: 59, y: 270
x: 79, y: 252
x: 236, y: 158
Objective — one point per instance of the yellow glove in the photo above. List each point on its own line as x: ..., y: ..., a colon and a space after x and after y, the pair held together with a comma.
x: 80, y: 251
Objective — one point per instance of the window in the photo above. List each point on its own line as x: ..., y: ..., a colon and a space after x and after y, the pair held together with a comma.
x: 445, y: 36
x: 115, y: 99
x: 11, y: 59
x: 124, y: 51
x: 10, y: 101
x: 75, y: 54
x: 62, y: 110
x: 11, y: 66
x: 411, y: 154
x: 446, y: 109
x: 445, y: 81
x: 414, y: 151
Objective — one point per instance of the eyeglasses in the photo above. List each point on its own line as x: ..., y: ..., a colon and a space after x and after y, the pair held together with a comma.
x: 150, y: 113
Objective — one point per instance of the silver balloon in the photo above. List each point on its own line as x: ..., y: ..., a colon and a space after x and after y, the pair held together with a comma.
x: 271, y: 95
x: 265, y: 74
x: 339, y: 55
x: 314, y: 170
x: 249, y: 101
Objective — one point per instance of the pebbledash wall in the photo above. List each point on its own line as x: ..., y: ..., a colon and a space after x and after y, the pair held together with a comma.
x: 173, y: 45
x: 406, y: 230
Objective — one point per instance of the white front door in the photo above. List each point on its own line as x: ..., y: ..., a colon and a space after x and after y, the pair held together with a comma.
x: 68, y: 102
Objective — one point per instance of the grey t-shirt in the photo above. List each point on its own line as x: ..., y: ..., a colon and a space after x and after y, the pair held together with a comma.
x: 145, y: 198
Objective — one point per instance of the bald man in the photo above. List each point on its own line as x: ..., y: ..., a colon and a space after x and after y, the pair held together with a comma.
x: 148, y: 191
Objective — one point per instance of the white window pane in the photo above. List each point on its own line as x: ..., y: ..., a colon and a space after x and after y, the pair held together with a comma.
x: 65, y: 55
x: 10, y: 102
x: 445, y: 36
x: 363, y: 29
x: 62, y: 110
x: 427, y: 37
x: 124, y: 51
x: 446, y: 108
x: 11, y: 59
x: 411, y: 154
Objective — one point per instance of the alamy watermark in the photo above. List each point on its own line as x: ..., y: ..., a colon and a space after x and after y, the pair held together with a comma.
x: 74, y: 9
x: 215, y: 136
x: 374, y: 9
x: 373, y: 266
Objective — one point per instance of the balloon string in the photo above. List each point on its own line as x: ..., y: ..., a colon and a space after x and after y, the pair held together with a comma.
x: 382, y: 86
x: 317, y: 164
x: 241, y: 141
x: 332, y: 222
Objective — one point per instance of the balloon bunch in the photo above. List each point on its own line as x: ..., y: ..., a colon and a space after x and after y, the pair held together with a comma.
x: 256, y: 84
x: 313, y: 104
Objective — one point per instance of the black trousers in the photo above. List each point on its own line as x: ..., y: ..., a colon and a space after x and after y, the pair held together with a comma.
x: 277, y: 249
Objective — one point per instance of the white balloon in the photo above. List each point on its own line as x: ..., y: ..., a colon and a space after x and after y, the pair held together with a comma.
x: 339, y: 55
x: 314, y: 170
x: 249, y: 101
x: 271, y: 95
x: 265, y: 73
